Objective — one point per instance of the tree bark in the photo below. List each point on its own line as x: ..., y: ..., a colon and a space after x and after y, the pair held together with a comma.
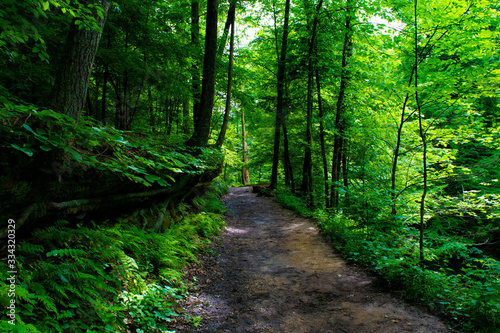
x: 104, y: 94
x: 280, y: 102
x: 185, y: 117
x: 307, y: 179
x: 202, y: 126
x: 229, y: 22
x: 72, y: 80
x: 195, y: 68
x: 424, y: 144
x: 289, y: 180
x: 339, y: 125
x: 322, y: 140
x: 222, y: 134
x: 245, y: 171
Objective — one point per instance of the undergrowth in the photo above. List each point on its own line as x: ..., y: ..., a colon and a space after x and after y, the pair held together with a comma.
x: 456, y: 280
x: 111, y: 277
x: 38, y: 133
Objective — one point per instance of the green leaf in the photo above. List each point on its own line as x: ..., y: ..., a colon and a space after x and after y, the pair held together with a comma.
x: 45, y: 147
x: 27, y: 151
x: 100, y: 14
x: 162, y: 182
x: 29, y: 129
x: 46, y: 5
x: 151, y: 178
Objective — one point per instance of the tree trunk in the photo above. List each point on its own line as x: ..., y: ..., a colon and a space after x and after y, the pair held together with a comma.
x: 104, y: 94
x: 185, y: 117
x: 245, y: 171
x: 424, y: 144
x: 229, y: 22
x: 72, y: 80
x: 222, y: 133
x: 152, y: 121
x: 202, y: 126
x: 195, y: 68
x: 289, y: 180
x: 88, y: 104
x: 345, y: 172
x: 322, y: 140
x: 339, y: 125
x: 280, y: 102
x: 307, y: 179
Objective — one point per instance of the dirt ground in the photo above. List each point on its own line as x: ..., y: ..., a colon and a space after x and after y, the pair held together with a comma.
x: 273, y: 272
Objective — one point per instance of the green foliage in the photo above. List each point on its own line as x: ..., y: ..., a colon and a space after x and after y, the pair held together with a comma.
x: 148, y: 161
x: 210, y: 202
x: 151, y: 306
x: 288, y: 200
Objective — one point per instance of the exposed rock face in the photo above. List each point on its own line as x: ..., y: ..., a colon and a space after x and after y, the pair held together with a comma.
x: 35, y: 191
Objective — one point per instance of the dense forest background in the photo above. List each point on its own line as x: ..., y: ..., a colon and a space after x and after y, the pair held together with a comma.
x: 380, y: 118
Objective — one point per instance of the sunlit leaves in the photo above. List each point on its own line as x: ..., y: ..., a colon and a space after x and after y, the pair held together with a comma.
x: 148, y: 162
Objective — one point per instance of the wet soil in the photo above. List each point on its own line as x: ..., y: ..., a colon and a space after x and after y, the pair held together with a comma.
x: 274, y: 272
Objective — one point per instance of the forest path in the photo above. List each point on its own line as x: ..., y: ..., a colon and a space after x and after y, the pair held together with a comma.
x: 273, y: 272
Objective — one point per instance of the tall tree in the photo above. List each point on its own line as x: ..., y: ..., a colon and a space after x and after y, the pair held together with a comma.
x: 280, y: 109
x: 202, y: 124
x: 222, y: 133
x: 195, y: 68
x: 322, y: 139
x: 307, y: 178
x: 422, y: 137
x: 339, y: 123
x: 72, y: 81
x: 245, y: 170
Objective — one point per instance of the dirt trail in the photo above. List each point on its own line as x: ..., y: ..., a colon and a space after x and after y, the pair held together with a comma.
x: 273, y: 272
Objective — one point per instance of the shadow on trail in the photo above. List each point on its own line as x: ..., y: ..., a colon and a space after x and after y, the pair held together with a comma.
x: 275, y: 273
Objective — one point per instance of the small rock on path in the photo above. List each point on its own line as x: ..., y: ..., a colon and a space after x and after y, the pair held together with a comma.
x: 274, y: 272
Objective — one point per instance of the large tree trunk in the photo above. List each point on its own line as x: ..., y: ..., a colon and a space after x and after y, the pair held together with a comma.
x: 222, y: 133
x: 280, y: 109
x: 72, y: 80
x: 339, y: 123
x: 202, y: 125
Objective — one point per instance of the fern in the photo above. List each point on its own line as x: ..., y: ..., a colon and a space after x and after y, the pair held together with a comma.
x: 48, y: 302
x: 30, y: 248
x: 73, y: 277
x: 65, y: 252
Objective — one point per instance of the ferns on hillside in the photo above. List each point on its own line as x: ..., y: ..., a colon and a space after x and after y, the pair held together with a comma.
x: 104, y: 278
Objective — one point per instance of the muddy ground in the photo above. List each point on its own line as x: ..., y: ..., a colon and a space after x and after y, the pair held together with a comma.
x: 273, y: 272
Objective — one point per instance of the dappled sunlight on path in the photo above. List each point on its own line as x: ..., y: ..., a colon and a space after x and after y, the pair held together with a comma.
x: 275, y: 273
